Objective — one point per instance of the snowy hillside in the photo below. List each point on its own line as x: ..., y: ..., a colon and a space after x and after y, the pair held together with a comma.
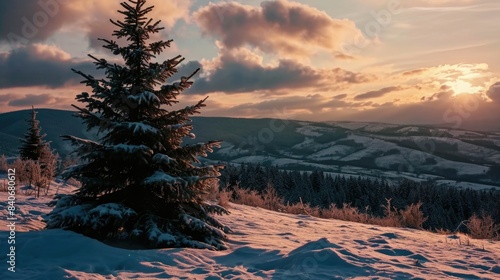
x: 264, y: 245
x: 374, y: 150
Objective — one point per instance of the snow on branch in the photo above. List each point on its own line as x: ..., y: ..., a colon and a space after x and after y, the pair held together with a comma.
x: 161, y: 177
x: 144, y: 98
x: 131, y: 149
x: 110, y: 213
x: 162, y: 159
x: 82, y: 142
x: 68, y: 215
x: 201, y: 226
x: 138, y: 127
x: 155, y: 234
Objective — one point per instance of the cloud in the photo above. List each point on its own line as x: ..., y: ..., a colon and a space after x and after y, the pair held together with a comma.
x: 494, y: 92
x: 25, y: 21
x: 96, y: 14
x: 32, y: 21
x: 280, y: 27
x: 335, y: 103
x: 455, y: 110
x: 442, y: 2
x: 378, y: 93
x: 446, y: 94
x: 415, y: 3
x: 415, y: 72
x: 289, y: 104
x: 32, y: 99
x: 40, y: 65
x: 240, y: 71
x: 6, y: 97
x: 340, y: 96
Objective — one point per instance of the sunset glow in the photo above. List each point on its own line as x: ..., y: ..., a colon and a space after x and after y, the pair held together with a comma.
x: 314, y: 60
x: 460, y: 86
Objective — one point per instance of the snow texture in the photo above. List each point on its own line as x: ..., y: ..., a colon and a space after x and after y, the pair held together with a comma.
x: 131, y: 149
x: 161, y: 177
x: 144, y: 98
x: 139, y: 127
x: 162, y: 159
x: 264, y: 245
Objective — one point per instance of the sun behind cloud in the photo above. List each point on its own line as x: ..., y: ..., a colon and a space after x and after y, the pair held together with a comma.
x: 460, y: 87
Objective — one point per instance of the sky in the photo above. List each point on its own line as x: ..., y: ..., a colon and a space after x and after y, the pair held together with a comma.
x: 396, y: 61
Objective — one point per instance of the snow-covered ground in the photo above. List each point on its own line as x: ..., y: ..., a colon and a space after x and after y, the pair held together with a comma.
x: 264, y: 245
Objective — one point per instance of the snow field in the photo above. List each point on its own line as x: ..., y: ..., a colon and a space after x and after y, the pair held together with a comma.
x: 264, y: 245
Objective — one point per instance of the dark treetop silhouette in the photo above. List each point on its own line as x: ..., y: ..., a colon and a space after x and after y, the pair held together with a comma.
x: 33, y: 144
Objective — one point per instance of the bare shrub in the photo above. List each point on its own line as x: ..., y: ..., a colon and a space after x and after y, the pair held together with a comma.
x: 4, y: 186
x: 223, y: 198
x: 412, y: 216
x: 248, y: 197
x: 293, y: 208
x: 346, y: 213
x: 3, y: 164
x: 272, y: 200
x: 48, y: 166
x: 19, y: 164
x: 392, y: 217
x: 32, y: 174
x: 212, y: 189
x: 301, y: 208
x: 483, y: 227
x: 389, y: 210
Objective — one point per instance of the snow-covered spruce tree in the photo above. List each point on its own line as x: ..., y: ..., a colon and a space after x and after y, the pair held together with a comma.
x: 33, y: 144
x: 139, y: 182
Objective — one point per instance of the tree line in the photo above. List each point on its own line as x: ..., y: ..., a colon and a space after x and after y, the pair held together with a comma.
x: 445, y: 206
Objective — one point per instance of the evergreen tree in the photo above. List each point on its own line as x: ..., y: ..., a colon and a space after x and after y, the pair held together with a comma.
x: 139, y: 182
x: 33, y: 143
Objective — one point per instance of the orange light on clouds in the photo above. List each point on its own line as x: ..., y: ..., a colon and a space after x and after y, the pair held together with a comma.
x: 461, y: 87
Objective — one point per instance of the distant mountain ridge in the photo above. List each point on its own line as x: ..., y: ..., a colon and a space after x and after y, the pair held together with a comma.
x: 351, y: 148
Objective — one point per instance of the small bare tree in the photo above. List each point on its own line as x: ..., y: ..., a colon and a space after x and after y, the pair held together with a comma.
x: 3, y: 163
x: 48, y: 165
x: 483, y: 227
x: 413, y: 216
x: 31, y: 174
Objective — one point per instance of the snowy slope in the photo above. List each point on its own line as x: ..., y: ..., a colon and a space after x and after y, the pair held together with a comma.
x: 342, y: 147
x: 265, y: 245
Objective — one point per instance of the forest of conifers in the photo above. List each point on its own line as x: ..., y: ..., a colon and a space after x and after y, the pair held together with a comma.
x: 446, y: 207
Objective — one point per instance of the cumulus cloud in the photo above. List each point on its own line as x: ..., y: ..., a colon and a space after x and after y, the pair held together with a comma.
x: 445, y: 94
x: 240, y: 71
x: 281, y: 27
x: 40, y: 65
x: 378, y: 93
x: 415, y: 3
x: 494, y: 92
x: 30, y: 21
x: 96, y: 20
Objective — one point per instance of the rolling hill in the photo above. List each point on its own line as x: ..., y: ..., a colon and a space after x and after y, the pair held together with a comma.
x: 445, y: 155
